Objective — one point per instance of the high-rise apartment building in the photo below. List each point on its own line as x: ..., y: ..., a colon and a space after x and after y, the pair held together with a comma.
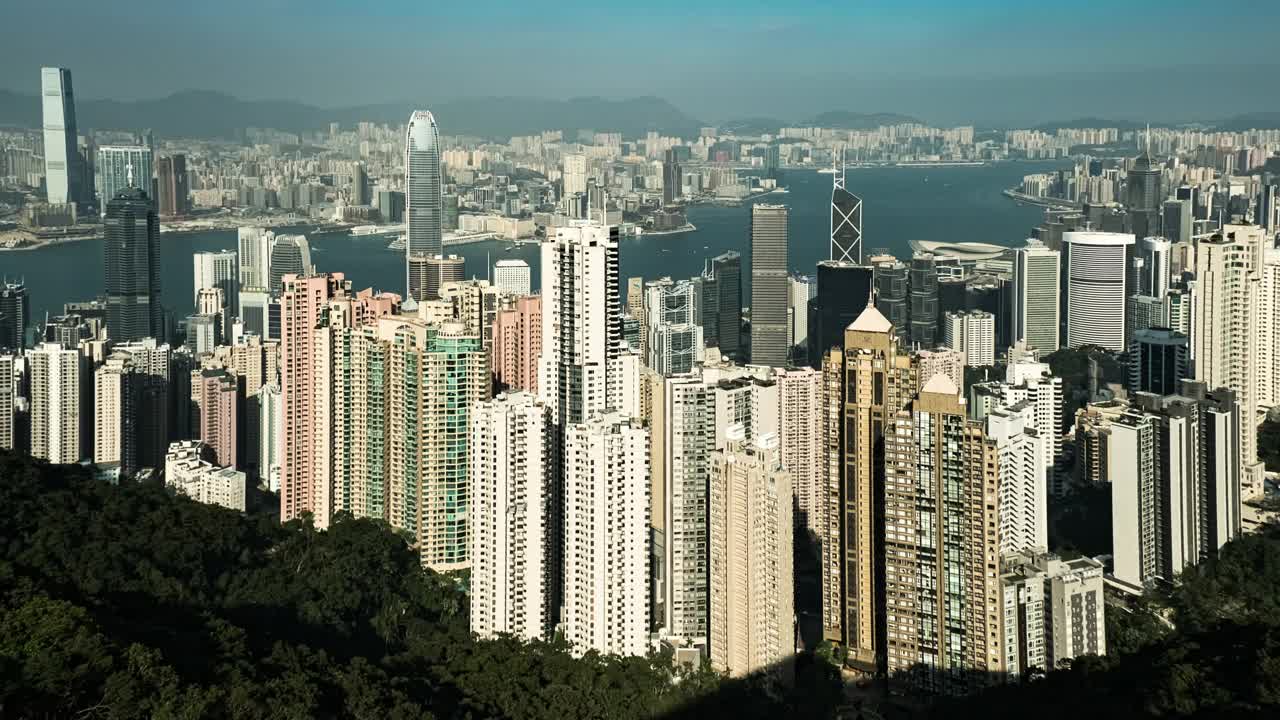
x: 801, y: 446
x: 1175, y: 472
x: 304, y: 466
x: 683, y: 437
x: 769, y: 285
x: 214, y: 400
x: 973, y: 333
x: 941, y: 361
x: 121, y: 167
x: 879, y: 379
x: 189, y: 470
x: 132, y: 266
x: 512, y: 276
x: 423, y: 194
x: 581, y: 321
x: 1225, y: 336
x: 131, y: 407
x: 171, y: 186
x: 515, y: 508
x: 606, y: 536
x: 64, y: 178
x: 517, y: 344
x: 270, y: 435
x: 1097, y: 286
x: 1024, y: 464
x: 1053, y: 610
x: 941, y: 492
x: 61, y: 420
x: 752, y: 618
x: 1036, y: 294
x: 1268, y: 345
x: 575, y: 175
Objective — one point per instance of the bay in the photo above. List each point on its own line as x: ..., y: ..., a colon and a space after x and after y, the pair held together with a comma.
x: 956, y: 204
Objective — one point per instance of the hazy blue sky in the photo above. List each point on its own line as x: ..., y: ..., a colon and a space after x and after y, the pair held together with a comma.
x: 946, y: 61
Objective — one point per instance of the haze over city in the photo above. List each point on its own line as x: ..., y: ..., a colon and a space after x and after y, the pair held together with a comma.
x: 991, y: 63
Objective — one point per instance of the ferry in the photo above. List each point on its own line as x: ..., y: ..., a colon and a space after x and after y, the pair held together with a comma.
x: 827, y: 171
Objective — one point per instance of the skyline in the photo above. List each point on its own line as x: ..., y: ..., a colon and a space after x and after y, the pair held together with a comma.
x: 940, y: 63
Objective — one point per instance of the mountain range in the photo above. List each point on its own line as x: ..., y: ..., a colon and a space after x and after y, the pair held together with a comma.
x: 203, y: 113
x: 200, y: 113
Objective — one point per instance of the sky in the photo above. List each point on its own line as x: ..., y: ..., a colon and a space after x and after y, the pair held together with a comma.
x: 982, y: 62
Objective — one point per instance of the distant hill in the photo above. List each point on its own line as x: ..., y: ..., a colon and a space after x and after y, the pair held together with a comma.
x: 846, y: 120
x: 751, y: 126
x: 1250, y: 121
x: 201, y: 113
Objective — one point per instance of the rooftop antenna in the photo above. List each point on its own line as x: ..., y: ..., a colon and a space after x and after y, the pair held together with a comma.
x: 128, y: 169
x: 1148, y: 138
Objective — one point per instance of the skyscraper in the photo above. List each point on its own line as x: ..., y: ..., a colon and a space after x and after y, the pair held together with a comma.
x: 769, y: 285
x: 842, y: 292
x: 672, y: 178
x: 304, y: 482
x: 752, y: 578
x: 1024, y: 463
x: 726, y: 272
x: 121, y: 167
x: 1268, y: 358
x: 1097, y: 286
x: 879, y: 379
x: 1035, y: 297
x: 606, y: 536
x: 423, y: 194
x: 15, y: 315
x: 924, y: 301
x: 290, y: 255
x: 673, y: 315
x: 442, y: 269
x: 892, y: 288
x: 9, y: 402
x: 132, y: 265
x: 846, y: 222
x: 1158, y: 361
x: 171, y: 185
x: 581, y: 321
x: 219, y: 269
x: 62, y: 165
x: 515, y: 578
x: 255, y: 246
x: 1143, y: 195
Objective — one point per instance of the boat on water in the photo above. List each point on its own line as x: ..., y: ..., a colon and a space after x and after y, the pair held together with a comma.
x: 827, y: 171
x: 509, y: 248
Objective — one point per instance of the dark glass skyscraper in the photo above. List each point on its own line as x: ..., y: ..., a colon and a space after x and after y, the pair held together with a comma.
x: 132, y: 264
x: 724, y: 279
x: 843, y: 291
x: 1143, y: 196
x: 924, y: 301
x: 891, y: 283
x: 672, y: 177
x: 171, y: 183
x: 15, y: 315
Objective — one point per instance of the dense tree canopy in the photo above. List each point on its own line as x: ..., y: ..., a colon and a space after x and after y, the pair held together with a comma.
x: 124, y: 602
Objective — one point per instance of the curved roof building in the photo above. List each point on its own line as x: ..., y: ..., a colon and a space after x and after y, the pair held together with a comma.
x: 963, y: 251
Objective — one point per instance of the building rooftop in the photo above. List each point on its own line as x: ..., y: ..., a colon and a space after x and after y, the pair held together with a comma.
x: 871, y: 321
